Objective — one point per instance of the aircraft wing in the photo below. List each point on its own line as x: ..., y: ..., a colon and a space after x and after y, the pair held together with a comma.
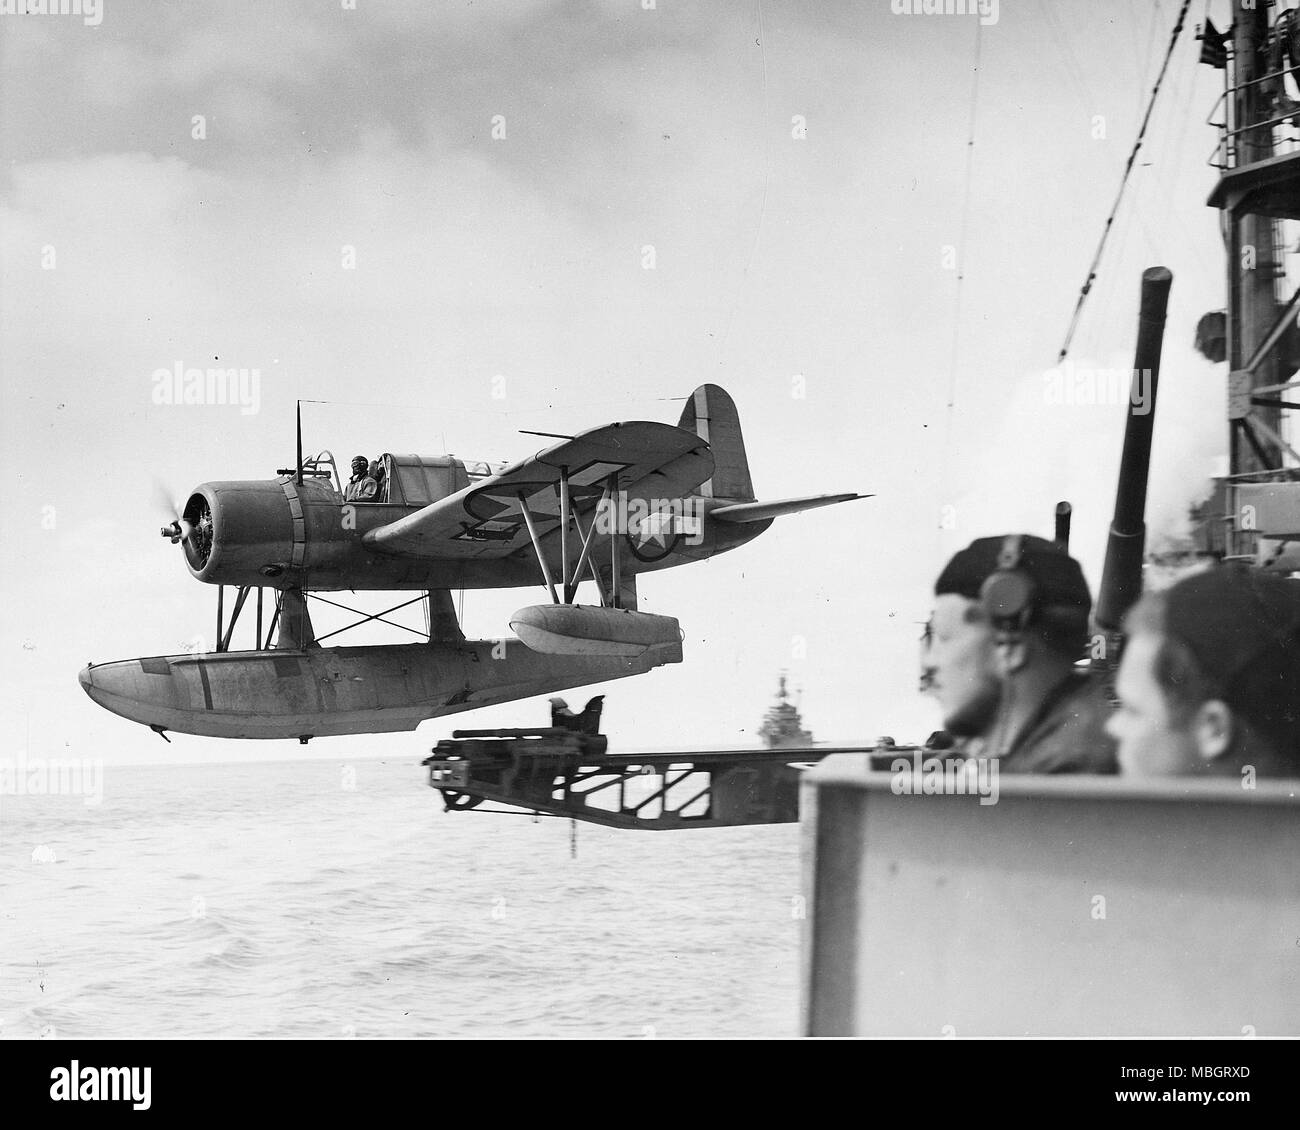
x: 486, y: 519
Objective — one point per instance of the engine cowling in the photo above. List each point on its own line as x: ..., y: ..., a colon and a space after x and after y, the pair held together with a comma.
x: 237, y: 529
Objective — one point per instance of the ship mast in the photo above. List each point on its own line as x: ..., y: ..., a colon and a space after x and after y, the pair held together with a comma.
x: 1252, y: 263
x: 1259, y: 187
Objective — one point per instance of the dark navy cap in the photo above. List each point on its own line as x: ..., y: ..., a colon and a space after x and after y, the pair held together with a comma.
x: 1234, y: 616
x: 1057, y: 576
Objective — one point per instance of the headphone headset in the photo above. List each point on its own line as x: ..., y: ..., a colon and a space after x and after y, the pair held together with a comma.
x: 1009, y: 594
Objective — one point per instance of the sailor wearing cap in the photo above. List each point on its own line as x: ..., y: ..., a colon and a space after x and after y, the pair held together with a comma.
x: 1010, y: 623
x: 1209, y: 683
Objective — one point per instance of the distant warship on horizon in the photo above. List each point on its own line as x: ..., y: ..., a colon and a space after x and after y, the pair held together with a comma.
x: 782, y: 725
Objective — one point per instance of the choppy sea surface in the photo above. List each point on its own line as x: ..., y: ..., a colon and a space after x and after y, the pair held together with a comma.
x: 331, y: 899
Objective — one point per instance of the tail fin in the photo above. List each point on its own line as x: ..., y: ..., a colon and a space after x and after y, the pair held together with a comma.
x: 711, y: 414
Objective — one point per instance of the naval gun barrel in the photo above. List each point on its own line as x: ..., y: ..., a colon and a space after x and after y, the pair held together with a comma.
x: 1121, y: 578
x: 1064, y: 511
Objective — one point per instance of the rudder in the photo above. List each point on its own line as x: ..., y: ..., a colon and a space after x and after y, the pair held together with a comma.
x: 711, y: 414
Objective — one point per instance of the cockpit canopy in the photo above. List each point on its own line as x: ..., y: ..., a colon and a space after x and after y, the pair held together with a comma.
x: 417, y: 480
x: 409, y: 480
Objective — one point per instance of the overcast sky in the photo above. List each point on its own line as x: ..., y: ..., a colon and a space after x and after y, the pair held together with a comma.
x: 181, y: 182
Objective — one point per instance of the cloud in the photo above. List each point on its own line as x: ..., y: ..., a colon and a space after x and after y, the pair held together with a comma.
x: 521, y: 258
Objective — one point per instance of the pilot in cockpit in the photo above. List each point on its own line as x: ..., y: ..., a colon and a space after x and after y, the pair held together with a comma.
x: 362, y: 486
x: 381, y: 482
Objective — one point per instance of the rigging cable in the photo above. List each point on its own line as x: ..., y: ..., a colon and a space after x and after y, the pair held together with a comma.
x: 954, y: 351
x: 1069, y: 60
x: 1128, y: 168
x: 767, y: 184
x: 965, y: 222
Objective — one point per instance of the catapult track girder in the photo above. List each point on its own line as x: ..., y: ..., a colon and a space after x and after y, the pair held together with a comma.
x: 560, y: 773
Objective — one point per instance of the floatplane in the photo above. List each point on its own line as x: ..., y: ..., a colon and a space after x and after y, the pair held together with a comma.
x: 603, y: 506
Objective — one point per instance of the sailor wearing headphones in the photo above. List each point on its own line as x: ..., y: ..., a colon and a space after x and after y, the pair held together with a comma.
x: 1010, y: 624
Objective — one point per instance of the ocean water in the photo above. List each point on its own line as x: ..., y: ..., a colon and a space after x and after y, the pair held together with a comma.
x: 324, y: 899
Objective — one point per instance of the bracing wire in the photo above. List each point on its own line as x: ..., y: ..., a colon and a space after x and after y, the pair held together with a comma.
x: 965, y: 221
x: 1119, y: 196
x: 955, y: 346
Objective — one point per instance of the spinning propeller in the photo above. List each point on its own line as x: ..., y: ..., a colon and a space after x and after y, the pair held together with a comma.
x: 180, y: 528
x: 183, y: 525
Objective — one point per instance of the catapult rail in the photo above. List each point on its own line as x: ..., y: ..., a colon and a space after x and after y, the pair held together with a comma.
x: 560, y: 772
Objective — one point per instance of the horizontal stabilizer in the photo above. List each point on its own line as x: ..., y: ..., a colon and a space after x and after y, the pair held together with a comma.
x: 761, y: 511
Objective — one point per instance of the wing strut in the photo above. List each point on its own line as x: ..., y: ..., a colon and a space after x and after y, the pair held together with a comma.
x: 564, y: 532
x: 570, y: 578
x: 613, y: 549
x: 584, y: 558
x: 537, y: 547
